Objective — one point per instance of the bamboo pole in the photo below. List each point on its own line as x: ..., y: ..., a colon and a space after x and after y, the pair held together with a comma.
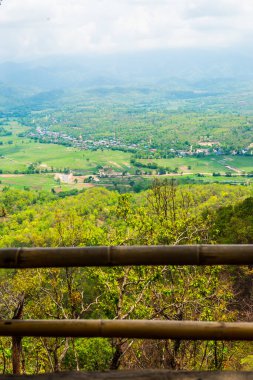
x: 142, y: 329
x: 123, y: 255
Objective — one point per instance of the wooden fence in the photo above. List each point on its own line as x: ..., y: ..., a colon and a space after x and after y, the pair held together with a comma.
x: 155, y: 329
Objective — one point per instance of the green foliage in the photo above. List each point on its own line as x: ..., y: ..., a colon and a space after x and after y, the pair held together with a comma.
x: 234, y: 223
x: 165, y: 214
x: 92, y: 355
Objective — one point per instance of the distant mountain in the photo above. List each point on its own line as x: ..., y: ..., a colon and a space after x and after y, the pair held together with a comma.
x: 145, y: 67
x: 50, y: 79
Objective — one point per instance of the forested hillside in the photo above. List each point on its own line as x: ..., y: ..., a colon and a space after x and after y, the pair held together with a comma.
x: 165, y: 214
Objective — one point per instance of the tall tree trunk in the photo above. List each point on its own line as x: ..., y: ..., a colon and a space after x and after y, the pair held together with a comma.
x: 115, y: 362
x: 17, y: 340
x: 16, y: 355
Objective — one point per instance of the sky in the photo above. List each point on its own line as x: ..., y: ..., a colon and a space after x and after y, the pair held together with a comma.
x: 38, y: 28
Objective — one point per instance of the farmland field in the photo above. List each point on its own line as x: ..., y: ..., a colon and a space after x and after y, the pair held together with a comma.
x: 22, y: 152
x: 35, y: 181
x: 208, y: 164
x: 41, y: 181
x: 19, y: 156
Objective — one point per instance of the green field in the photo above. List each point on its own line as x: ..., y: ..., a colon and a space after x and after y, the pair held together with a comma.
x: 234, y: 179
x: 23, y: 152
x: 241, y: 162
x: 37, y: 182
x: 208, y: 164
x: 19, y: 156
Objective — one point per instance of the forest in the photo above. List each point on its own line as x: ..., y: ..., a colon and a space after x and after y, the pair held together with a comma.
x: 167, y: 213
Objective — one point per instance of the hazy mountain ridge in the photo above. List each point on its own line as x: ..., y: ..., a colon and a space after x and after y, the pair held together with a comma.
x: 146, y: 67
x: 177, y: 74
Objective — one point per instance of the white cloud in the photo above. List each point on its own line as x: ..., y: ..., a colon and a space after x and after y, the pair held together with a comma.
x: 42, y: 27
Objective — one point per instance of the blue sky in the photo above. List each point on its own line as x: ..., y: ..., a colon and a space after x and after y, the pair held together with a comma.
x: 35, y: 28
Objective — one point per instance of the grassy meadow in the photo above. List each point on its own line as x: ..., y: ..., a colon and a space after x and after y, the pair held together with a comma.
x: 34, y: 181
x: 207, y: 164
x: 23, y: 152
x: 41, y: 181
x: 20, y: 155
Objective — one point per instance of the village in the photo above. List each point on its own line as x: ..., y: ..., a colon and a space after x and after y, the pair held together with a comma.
x: 202, y: 148
x: 48, y: 136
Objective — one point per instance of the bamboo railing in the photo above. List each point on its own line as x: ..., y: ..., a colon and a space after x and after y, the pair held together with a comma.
x: 120, y: 256
x: 126, y: 256
x: 142, y: 329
